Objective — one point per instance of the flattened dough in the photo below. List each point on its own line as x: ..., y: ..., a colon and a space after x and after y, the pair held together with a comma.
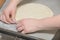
x: 33, y: 10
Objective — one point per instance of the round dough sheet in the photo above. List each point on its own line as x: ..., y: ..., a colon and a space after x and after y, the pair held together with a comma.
x: 33, y: 10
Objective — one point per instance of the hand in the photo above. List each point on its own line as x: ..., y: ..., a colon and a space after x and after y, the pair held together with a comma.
x: 28, y: 25
x: 9, y: 14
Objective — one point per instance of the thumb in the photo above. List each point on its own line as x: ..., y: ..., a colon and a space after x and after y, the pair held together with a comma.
x: 13, y: 16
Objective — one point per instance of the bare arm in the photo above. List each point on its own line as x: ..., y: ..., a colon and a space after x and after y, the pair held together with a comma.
x: 32, y: 25
x: 51, y: 23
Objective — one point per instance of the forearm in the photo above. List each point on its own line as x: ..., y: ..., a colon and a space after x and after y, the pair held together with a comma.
x: 51, y: 23
x: 16, y: 2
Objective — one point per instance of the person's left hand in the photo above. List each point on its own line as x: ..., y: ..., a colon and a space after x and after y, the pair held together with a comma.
x: 28, y: 25
x: 8, y: 15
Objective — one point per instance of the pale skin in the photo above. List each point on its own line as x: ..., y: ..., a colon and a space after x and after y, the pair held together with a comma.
x: 32, y: 25
x: 10, y: 11
x: 29, y: 25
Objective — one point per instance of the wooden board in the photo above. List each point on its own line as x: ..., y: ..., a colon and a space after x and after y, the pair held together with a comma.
x: 2, y: 2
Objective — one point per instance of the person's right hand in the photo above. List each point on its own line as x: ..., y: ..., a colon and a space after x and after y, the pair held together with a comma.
x: 8, y: 15
x: 29, y: 25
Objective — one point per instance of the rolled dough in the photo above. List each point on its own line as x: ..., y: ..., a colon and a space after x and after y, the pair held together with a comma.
x: 33, y: 10
x: 38, y: 11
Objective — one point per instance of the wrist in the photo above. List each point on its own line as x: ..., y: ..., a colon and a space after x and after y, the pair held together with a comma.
x: 15, y: 2
x: 43, y: 25
x: 40, y: 24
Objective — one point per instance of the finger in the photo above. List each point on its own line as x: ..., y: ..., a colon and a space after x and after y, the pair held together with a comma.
x: 19, y: 24
x: 3, y: 19
x: 7, y: 17
x: 20, y: 29
x: 23, y: 32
